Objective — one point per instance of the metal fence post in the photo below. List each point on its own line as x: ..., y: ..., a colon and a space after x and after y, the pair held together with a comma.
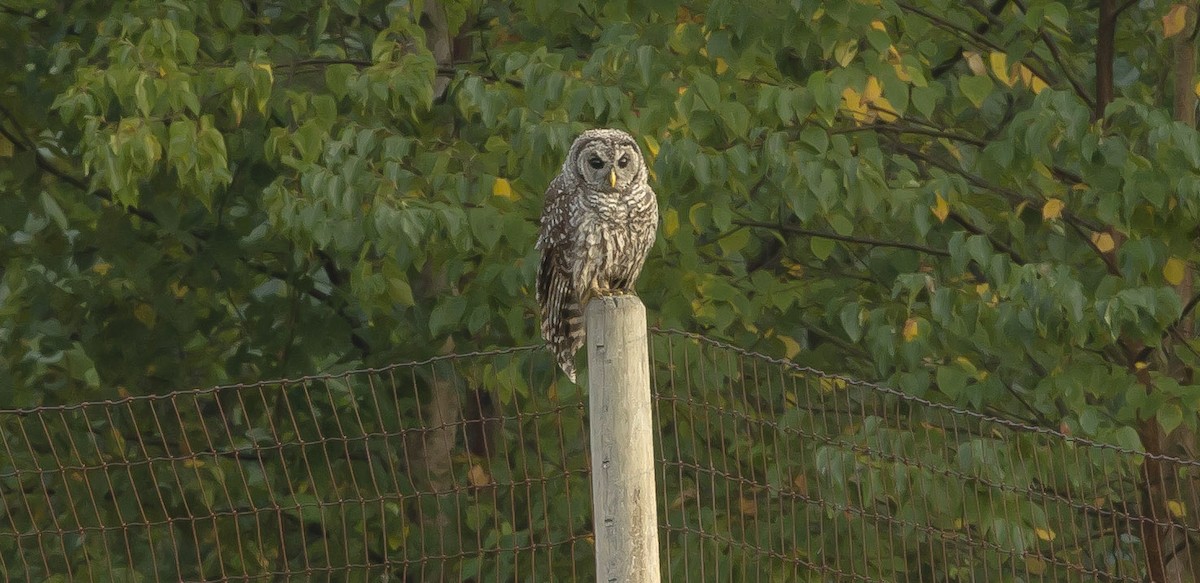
x: 624, y: 502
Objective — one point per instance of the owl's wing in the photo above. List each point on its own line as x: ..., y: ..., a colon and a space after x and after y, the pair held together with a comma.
x: 562, y: 319
x: 552, y: 233
x: 554, y: 214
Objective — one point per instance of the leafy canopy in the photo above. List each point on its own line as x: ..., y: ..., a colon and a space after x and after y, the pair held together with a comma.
x: 916, y: 192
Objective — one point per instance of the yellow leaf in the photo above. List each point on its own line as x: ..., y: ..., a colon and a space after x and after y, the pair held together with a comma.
x: 394, y: 541
x: 911, y: 330
x: 478, y: 476
x: 878, y: 25
x: 1174, y: 271
x: 897, y: 62
x: 722, y: 66
x: 145, y: 314
x: 951, y: 148
x: 885, y: 110
x: 873, y: 95
x: 975, y: 62
x: 1177, y: 509
x: 873, y: 90
x: 178, y: 290
x: 102, y: 268
x: 1174, y: 20
x: 1034, y: 565
x: 266, y: 67
x: 1053, y: 209
x: 845, y: 52
x: 982, y: 288
x: 854, y: 104
x: 790, y: 347
x: 941, y: 209
x: 1141, y: 365
x: 193, y: 463
x: 1197, y: 89
x: 503, y: 189
x: 1029, y: 78
x: 1104, y: 242
x: 801, y: 483
x: 1037, y: 85
x: 796, y: 270
x: 748, y: 506
x: 651, y: 146
x: 670, y: 222
x: 999, y: 62
x: 1045, y: 534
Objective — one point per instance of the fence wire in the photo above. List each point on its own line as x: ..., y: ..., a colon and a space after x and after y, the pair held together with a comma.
x: 474, y: 468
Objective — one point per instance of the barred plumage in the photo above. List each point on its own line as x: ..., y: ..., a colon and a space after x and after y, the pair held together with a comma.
x: 598, y: 224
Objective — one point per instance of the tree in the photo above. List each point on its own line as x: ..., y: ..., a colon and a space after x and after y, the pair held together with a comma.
x: 992, y: 205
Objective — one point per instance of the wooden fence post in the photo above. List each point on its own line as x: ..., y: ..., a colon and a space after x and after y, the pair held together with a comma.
x: 624, y: 500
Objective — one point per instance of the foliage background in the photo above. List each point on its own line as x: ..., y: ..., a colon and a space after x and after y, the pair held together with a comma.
x: 992, y: 205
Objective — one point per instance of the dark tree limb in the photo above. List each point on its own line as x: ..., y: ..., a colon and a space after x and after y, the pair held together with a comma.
x: 844, y: 238
x: 1056, y: 54
x: 1106, y: 33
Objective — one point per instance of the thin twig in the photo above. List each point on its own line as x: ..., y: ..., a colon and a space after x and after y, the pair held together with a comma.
x: 844, y: 238
x: 892, y: 128
x: 944, y: 24
x: 1052, y: 45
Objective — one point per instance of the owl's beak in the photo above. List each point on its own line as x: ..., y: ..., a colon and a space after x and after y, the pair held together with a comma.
x: 612, y: 178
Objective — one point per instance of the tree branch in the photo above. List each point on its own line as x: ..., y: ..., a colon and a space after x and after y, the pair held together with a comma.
x: 1105, y: 53
x: 843, y: 238
x: 948, y: 26
x: 964, y: 223
x: 892, y: 128
x: 1056, y: 53
x: 25, y: 143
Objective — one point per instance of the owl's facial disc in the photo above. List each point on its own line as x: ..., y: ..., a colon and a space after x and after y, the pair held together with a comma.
x: 608, y: 166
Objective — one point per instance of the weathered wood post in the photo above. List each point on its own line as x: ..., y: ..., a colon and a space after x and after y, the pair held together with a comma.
x: 624, y: 509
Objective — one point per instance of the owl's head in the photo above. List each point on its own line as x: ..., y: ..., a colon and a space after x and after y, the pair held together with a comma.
x: 607, y: 160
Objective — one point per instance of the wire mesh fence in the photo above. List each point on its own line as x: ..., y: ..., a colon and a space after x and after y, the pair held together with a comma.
x: 474, y: 468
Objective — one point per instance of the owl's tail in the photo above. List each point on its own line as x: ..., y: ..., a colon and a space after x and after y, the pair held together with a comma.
x: 562, y: 317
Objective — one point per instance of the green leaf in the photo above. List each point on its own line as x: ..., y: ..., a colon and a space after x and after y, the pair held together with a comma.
x: 708, y: 90
x: 54, y: 211
x: 821, y: 247
x: 1169, y: 417
x: 951, y: 380
x: 400, y: 292
x: 841, y: 225
x: 851, y: 324
x: 231, y: 13
x: 976, y: 89
x: 446, y: 317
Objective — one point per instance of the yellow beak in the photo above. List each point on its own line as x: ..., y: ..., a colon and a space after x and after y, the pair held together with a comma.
x: 612, y: 178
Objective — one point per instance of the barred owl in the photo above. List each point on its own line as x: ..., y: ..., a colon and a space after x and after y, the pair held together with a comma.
x: 597, y: 227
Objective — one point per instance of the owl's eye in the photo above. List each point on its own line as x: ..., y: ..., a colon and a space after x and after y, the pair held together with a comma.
x: 623, y: 162
x: 596, y: 162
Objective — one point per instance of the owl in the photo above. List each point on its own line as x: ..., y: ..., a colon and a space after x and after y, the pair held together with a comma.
x: 597, y: 226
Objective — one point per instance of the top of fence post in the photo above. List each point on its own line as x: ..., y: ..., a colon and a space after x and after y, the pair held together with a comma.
x: 624, y: 500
